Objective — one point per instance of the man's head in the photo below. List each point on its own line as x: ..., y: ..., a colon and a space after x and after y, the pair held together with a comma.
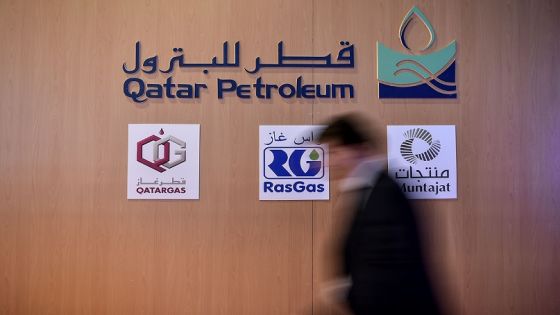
x: 349, y: 140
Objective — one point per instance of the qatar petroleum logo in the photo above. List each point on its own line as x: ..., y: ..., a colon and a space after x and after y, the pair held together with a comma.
x: 416, y: 74
x: 411, y: 148
x: 158, y: 162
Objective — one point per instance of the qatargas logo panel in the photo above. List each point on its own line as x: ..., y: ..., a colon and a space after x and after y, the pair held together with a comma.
x: 416, y: 73
x: 163, y: 161
x: 422, y: 160
x: 292, y: 165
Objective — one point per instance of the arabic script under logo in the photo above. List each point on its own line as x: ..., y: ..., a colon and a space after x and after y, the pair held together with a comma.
x: 417, y: 74
x: 420, y: 137
x: 161, y: 164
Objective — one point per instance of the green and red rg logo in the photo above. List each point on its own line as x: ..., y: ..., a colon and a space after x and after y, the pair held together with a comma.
x: 158, y: 163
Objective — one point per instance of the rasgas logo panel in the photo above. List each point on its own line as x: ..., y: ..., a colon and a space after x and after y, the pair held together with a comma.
x: 163, y: 161
x: 292, y: 165
x: 422, y: 159
x: 416, y: 73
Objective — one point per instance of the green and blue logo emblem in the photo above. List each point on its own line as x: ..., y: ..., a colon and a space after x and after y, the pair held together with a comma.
x: 416, y: 74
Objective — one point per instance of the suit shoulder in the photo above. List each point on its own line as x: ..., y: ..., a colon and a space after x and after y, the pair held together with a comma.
x: 385, y: 182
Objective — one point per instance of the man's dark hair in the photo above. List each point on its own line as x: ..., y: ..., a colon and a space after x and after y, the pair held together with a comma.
x: 348, y: 129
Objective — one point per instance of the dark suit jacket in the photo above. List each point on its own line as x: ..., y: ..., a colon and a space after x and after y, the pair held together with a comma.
x: 383, y: 255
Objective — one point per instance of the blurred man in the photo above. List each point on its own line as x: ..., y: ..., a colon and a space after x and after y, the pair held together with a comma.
x: 381, y: 252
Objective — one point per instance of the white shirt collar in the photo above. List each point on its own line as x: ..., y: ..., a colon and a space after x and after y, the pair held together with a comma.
x: 364, y: 174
